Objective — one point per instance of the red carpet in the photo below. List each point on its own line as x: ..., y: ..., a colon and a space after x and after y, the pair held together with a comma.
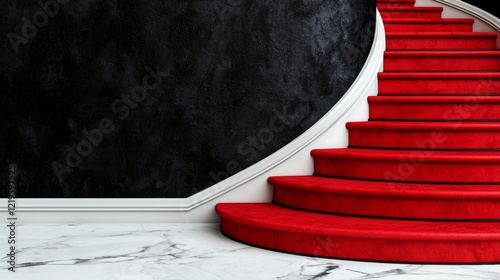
x: 420, y: 181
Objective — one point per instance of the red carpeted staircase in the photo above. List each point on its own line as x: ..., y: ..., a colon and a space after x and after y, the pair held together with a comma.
x: 420, y: 181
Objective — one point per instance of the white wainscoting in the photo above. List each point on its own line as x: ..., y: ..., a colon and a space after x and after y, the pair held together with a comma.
x: 249, y: 185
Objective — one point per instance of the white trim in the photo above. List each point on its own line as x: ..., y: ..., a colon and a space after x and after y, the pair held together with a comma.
x: 249, y: 184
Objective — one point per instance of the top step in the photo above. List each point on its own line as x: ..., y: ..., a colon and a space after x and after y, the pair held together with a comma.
x: 395, y: 5
x: 411, y: 12
x: 395, y: 1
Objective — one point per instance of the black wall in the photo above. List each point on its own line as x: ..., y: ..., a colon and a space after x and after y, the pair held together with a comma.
x: 487, y: 5
x: 138, y: 99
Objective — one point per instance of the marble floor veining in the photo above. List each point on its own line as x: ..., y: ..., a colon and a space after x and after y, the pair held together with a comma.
x: 186, y: 251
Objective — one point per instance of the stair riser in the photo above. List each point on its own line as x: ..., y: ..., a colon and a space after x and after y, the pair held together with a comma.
x: 416, y: 168
x: 428, y: 86
x: 434, y: 27
x: 467, y: 110
x: 357, y: 248
x: 388, y: 207
x: 415, y: 139
x: 442, y: 64
x: 457, y: 43
x: 411, y: 14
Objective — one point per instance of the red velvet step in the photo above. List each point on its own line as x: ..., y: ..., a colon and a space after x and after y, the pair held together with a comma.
x: 428, y: 25
x: 425, y: 165
x: 411, y: 12
x: 425, y: 135
x: 387, y: 6
x: 442, y: 61
x: 440, y: 108
x: 441, y: 40
x: 382, y: 199
x: 439, y: 83
x: 287, y: 230
x: 396, y: 3
x: 412, y: 2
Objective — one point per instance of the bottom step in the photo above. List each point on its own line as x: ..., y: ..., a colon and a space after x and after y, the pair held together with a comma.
x: 292, y: 231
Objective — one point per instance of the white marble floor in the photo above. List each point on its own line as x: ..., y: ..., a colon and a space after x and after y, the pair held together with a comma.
x: 186, y: 251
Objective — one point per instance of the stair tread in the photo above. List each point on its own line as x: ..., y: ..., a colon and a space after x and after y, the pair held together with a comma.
x: 432, y: 99
x: 471, y: 94
x: 395, y: 1
x: 386, y: 189
x: 487, y: 49
x: 267, y: 215
x: 387, y: 5
x: 412, y: 9
x: 429, y: 20
x: 424, y: 126
x: 390, y: 35
x: 442, y: 53
x: 395, y: 155
x: 450, y: 75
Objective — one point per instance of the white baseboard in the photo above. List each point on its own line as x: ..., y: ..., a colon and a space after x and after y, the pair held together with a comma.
x: 249, y: 185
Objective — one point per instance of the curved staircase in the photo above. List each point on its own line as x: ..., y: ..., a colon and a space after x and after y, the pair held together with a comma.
x: 420, y: 181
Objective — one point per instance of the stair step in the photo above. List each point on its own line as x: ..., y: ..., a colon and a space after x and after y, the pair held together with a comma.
x: 382, y: 199
x: 411, y: 12
x: 439, y: 83
x: 390, y: 6
x: 396, y: 2
x: 442, y: 61
x: 421, y: 135
x: 422, y: 166
x: 287, y: 230
x: 428, y: 25
x: 441, y: 40
x: 436, y: 108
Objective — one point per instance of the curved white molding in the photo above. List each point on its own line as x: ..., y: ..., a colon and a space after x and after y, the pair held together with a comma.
x: 249, y: 184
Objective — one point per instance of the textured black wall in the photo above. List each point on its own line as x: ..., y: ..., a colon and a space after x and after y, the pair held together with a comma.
x: 119, y: 99
x: 487, y: 5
